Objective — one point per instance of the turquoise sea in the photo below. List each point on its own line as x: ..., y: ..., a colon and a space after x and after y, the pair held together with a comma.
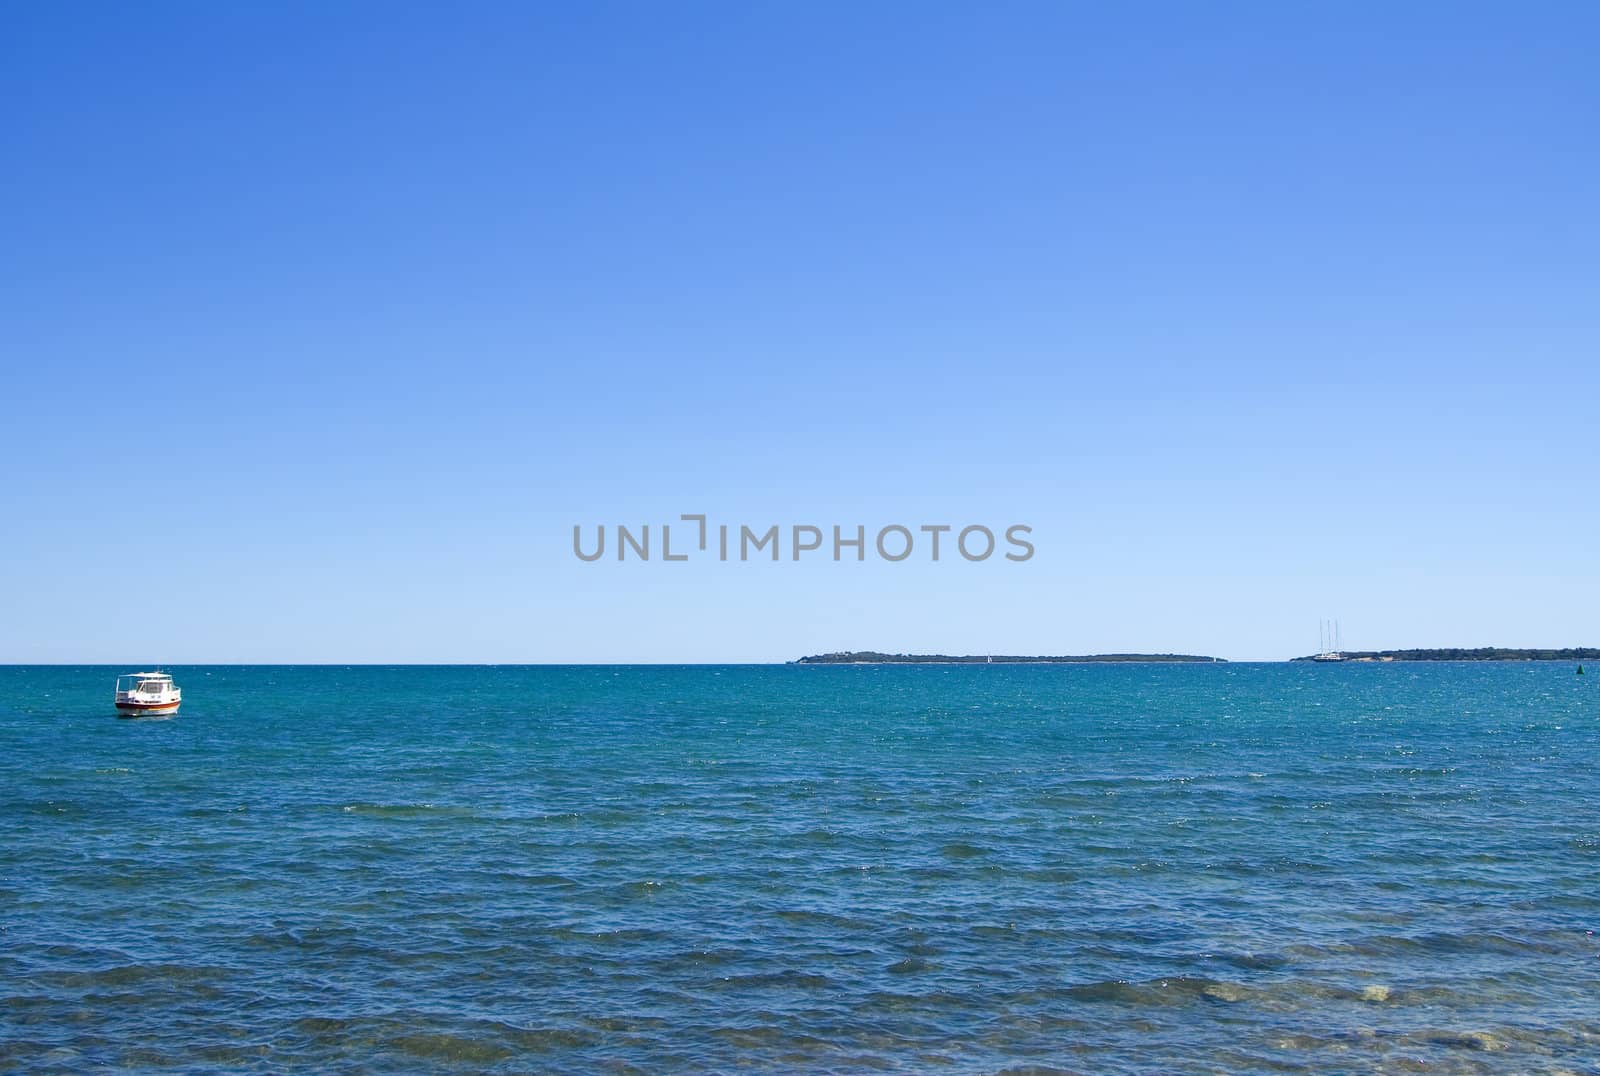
x: 1087, y: 868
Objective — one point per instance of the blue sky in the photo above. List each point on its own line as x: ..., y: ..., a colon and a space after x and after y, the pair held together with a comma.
x: 324, y: 324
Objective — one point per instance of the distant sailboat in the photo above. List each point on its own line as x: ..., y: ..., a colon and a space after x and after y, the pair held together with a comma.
x: 1328, y: 643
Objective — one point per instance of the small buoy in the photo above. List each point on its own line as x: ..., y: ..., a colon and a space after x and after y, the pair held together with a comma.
x: 1580, y: 670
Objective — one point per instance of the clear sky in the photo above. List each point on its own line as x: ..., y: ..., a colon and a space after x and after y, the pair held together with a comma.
x: 322, y: 325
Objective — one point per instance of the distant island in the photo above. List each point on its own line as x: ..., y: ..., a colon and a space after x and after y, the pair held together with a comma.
x: 1481, y: 653
x: 872, y: 657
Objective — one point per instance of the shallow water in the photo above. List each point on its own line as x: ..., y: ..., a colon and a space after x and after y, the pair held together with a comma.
x: 954, y: 868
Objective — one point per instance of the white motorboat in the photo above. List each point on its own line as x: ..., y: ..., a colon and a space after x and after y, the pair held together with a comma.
x: 147, y: 694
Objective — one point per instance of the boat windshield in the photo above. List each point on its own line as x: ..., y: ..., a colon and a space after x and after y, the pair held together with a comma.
x: 143, y: 683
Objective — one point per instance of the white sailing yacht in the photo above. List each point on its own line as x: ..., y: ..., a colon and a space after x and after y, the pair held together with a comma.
x: 1328, y: 645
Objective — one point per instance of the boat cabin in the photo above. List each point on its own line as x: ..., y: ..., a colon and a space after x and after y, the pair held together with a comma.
x: 146, y: 683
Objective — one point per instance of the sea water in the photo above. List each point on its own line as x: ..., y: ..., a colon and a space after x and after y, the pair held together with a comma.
x: 1086, y: 868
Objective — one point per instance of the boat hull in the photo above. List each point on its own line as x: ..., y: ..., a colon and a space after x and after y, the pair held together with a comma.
x: 147, y: 709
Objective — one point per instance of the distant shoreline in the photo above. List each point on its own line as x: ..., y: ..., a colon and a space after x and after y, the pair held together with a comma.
x: 872, y: 657
x: 1481, y: 653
